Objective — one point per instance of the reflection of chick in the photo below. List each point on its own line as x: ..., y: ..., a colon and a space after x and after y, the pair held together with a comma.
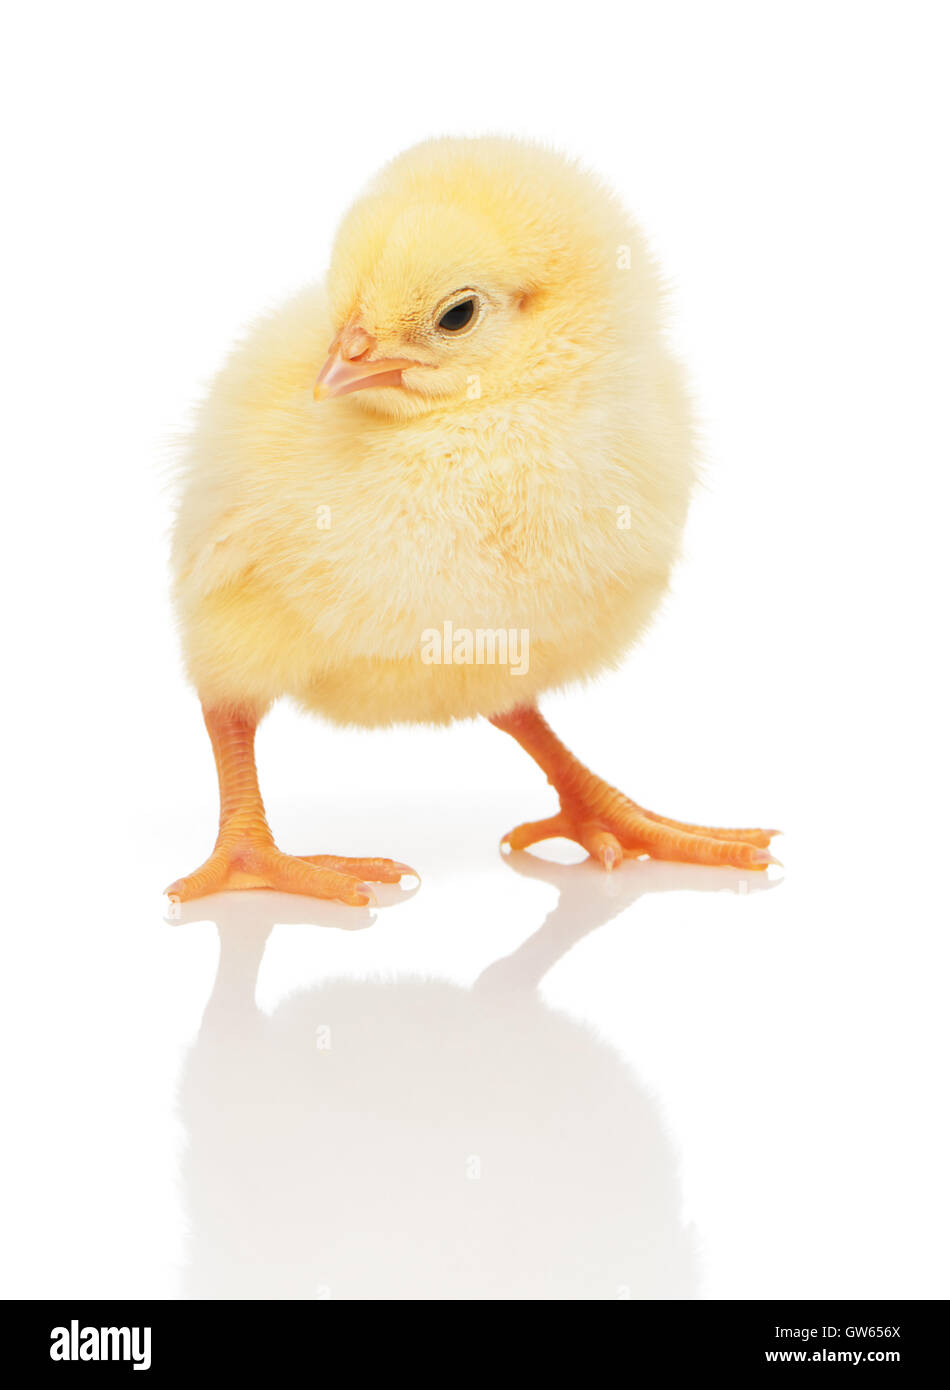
x: 500, y: 442
x: 417, y: 1140
x: 414, y: 1139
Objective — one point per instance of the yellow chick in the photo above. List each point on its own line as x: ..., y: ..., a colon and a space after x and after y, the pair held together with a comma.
x: 450, y: 479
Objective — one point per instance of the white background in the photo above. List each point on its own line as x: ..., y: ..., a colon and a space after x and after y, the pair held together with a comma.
x: 722, y: 1090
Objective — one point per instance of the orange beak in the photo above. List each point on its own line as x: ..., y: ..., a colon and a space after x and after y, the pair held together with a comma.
x: 349, y: 366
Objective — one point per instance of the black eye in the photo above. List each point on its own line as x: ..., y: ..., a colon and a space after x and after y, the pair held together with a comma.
x: 459, y: 316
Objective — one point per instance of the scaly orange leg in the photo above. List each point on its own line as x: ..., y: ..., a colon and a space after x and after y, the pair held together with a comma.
x: 608, y: 824
x: 245, y: 856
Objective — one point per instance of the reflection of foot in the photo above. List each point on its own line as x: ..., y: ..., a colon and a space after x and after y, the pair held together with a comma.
x: 248, y: 858
x: 608, y: 824
x: 587, y: 898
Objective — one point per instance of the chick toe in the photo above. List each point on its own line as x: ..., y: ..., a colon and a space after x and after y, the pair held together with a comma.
x: 750, y: 836
x: 533, y: 831
x: 375, y: 870
x: 601, y: 844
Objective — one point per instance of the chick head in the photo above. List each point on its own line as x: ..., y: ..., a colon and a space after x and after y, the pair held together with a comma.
x: 477, y: 269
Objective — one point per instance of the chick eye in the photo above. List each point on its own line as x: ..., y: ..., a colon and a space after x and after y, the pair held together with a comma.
x: 458, y: 317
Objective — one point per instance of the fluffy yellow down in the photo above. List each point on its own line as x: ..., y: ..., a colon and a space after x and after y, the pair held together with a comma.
x: 533, y: 475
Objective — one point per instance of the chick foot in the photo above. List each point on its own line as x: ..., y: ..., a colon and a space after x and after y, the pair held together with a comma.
x: 256, y: 862
x: 245, y: 855
x: 608, y: 824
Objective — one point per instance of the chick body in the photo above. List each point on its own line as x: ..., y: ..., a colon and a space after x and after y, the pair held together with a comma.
x: 545, y: 491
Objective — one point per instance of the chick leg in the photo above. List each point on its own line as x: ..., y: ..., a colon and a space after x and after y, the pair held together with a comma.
x: 608, y: 824
x: 245, y: 856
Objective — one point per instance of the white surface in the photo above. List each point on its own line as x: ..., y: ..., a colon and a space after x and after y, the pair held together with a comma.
x: 714, y: 1093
